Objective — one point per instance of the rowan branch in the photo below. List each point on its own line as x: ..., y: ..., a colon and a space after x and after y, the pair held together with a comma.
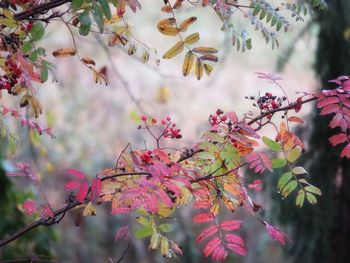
x: 184, y: 156
x: 40, y: 9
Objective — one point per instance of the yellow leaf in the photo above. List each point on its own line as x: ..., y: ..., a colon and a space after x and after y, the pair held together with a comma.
x: 175, y: 50
x: 154, y: 242
x: 167, y: 27
x: 215, y: 209
x: 205, y: 50
x: 185, y: 24
x: 36, y: 106
x: 89, y: 210
x: 64, y: 52
x: 188, y: 63
x: 162, y: 95
x: 18, y: 89
x: 164, y: 247
x: 208, y: 69
x: 199, y: 69
x: 191, y: 39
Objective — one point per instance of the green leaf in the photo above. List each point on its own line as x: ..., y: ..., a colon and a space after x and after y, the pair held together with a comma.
x: 44, y: 73
x: 76, y: 4
x: 27, y: 46
x: 313, y: 189
x: 311, y: 198
x: 143, y: 232
x: 284, y: 179
x: 144, y: 221
x: 98, y: 16
x: 278, y: 163
x: 289, y: 188
x: 274, y: 146
x: 37, y: 31
x: 279, y: 25
x: 105, y: 8
x: 257, y: 9
x: 298, y: 170
x: 85, y: 23
x: 293, y: 154
x: 300, y: 198
x: 166, y: 228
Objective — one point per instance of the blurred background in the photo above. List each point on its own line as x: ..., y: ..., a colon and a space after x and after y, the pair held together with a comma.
x: 93, y: 123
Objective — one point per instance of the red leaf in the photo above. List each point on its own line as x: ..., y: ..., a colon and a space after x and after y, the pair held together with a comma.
x: 332, y: 108
x: 257, y: 185
x: 211, y: 246
x: 82, y: 192
x: 204, y: 217
x: 339, y: 121
x: 219, y: 254
x: 231, y: 238
x: 295, y: 119
x: 276, y: 234
x: 231, y: 225
x: 327, y: 101
x: 345, y: 152
x: 121, y: 210
x: 122, y: 233
x: 76, y: 173
x: 209, y: 231
x: 237, y: 249
x: 72, y: 186
x: 259, y: 161
x: 95, y: 189
x: 29, y: 207
x: 298, y: 104
x: 338, y: 139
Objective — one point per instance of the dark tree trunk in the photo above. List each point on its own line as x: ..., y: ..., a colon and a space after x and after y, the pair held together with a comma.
x: 321, y: 232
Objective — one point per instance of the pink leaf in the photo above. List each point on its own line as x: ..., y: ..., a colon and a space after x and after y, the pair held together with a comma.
x: 209, y: 231
x: 95, y: 189
x: 295, y: 119
x: 327, y: 101
x: 259, y: 161
x: 211, y: 246
x: 332, y: 108
x: 231, y: 238
x: 72, y: 186
x: 345, y: 152
x: 237, y: 249
x: 121, y: 210
x: 46, y: 211
x: 122, y: 233
x: 339, y: 121
x: 219, y: 254
x: 338, y: 139
x: 29, y: 207
x: 276, y: 234
x: 204, y: 217
x: 231, y: 225
x: 257, y: 185
x: 82, y: 192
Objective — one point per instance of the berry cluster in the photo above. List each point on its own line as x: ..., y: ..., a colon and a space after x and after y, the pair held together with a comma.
x: 169, y: 127
x: 11, y: 78
x: 28, y: 27
x: 146, y: 156
x: 21, y: 2
x: 217, y: 118
x: 267, y: 102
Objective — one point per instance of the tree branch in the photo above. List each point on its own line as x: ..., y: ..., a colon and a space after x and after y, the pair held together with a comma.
x: 40, y: 9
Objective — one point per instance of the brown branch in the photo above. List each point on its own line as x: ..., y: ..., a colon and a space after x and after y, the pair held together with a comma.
x: 288, y: 107
x: 40, y: 9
